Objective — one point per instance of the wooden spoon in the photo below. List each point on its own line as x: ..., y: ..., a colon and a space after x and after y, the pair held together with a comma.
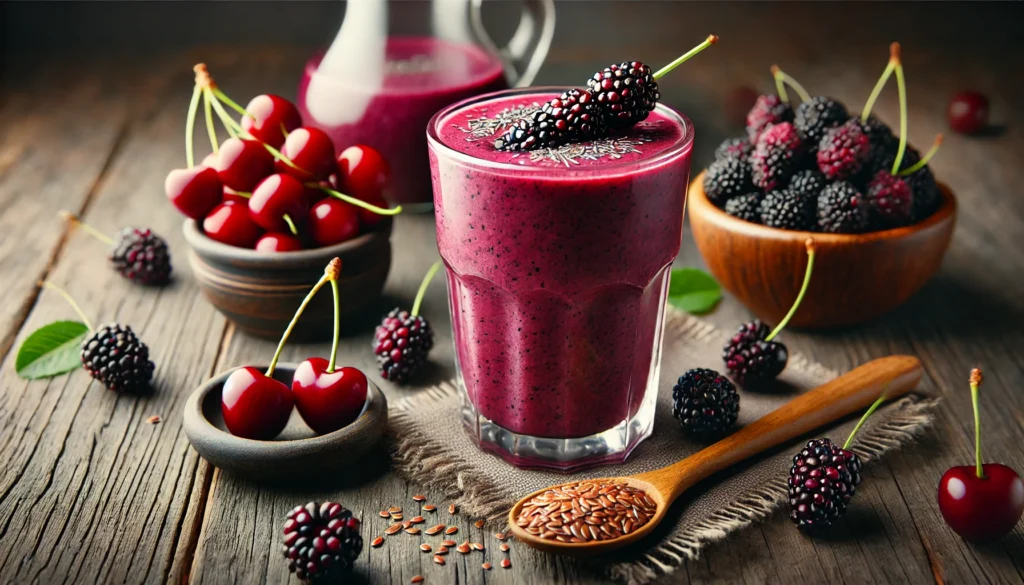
x: 847, y: 394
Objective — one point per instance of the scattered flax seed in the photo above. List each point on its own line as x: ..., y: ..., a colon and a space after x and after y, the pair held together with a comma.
x: 504, y: 547
x: 397, y: 516
x: 448, y: 543
x: 417, y: 579
x: 477, y: 546
x: 463, y: 548
x: 393, y: 529
x: 407, y: 524
x: 377, y: 541
x: 425, y: 547
x: 442, y: 550
x: 420, y: 498
x: 452, y: 509
x: 384, y: 514
x: 586, y: 511
x: 412, y: 530
x: 434, y: 530
x: 439, y: 559
x: 486, y: 566
x: 505, y: 563
x: 394, y: 510
x: 479, y: 524
x: 429, y: 507
x: 500, y: 535
x: 418, y: 520
x: 451, y: 530
x: 153, y: 419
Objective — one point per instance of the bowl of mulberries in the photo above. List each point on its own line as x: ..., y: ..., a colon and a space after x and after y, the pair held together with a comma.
x: 812, y: 167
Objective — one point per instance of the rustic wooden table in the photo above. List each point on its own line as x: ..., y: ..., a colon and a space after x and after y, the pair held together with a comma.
x: 91, y: 492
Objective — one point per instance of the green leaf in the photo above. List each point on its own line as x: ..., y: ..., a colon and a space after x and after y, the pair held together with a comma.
x: 693, y: 290
x: 51, y: 350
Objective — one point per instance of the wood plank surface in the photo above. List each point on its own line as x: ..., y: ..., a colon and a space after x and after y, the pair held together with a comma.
x: 92, y: 493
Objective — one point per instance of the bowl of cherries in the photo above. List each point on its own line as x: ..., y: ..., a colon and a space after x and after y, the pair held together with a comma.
x: 271, y: 205
x: 274, y: 420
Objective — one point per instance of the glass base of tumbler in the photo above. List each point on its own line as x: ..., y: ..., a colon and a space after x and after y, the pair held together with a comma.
x: 608, y: 447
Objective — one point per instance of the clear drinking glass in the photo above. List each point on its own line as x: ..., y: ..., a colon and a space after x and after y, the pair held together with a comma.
x: 558, y: 265
x: 393, y: 64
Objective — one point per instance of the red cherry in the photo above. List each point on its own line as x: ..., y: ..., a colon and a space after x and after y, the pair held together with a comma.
x: 981, y: 508
x: 333, y: 221
x: 193, y: 191
x: 241, y: 164
x: 313, y: 195
x: 276, y: 196
x: 229, y: 223
x: 367, y: 217
x: 326, y: 400
x: 312, y: 151
x: 278, y: 242
x: 361, y: 170
x: 255, y: 406
x: 210, y: 160
x: 268, y: 114
x: 968, y: 112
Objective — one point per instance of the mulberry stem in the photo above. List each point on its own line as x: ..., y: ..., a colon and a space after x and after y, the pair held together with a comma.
x: 712, y: 39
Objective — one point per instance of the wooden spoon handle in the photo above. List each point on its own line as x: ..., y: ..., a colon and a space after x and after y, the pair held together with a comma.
x: 845, y: 395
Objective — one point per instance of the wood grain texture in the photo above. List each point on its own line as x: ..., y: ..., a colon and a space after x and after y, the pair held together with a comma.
x: 93, y: 494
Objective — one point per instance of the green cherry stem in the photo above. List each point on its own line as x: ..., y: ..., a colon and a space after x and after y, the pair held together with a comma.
x: 333, y: 271
x: 712, y: 39
x: 874, y: 406
x: 423, y: 288
x: 75, y: 221
x: 924, y: 161
x: 71, y: 301
x: 288, y: 332
x: 210, y: 128
x: 230, y: 102
x: 894, y: 51
x: 901, y: 85
x: 809, y: 244
x: 975, y: 381
x: 356, y: 202
x: 190, y: 127
x: 782, y: 79
x: 291, y: 225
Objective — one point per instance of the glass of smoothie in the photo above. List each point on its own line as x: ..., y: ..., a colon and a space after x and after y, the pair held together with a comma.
x: 558, y: 265
x: 393, y: 65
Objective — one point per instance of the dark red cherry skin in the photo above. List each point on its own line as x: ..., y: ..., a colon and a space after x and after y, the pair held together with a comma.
x: 193, y: 191
x: 278, y: 242
x: 361, y: 170
x: 981, y: 508
x: 229, y: 223
x: 333, y: 221
x: 268, y: 113
x: 326, y: 400
x: 367, y: 217
x: 255, y: 406
x: 312, y: 151
x: 276, y: 196
x: 241, y: 164
x: 968, y: 112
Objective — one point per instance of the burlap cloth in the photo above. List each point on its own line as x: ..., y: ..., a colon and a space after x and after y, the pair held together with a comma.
x: 431, y: 450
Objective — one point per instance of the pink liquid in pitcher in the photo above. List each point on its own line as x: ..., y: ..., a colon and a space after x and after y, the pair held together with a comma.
x: 390, y: 113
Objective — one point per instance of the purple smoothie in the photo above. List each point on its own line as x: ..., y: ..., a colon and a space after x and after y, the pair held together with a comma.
x: 422, y: 76
x: 558, y: 264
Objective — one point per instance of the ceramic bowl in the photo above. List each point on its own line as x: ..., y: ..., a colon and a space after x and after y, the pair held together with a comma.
x: 259, y: 291
x: 857, y: 277
x: 297, y: 451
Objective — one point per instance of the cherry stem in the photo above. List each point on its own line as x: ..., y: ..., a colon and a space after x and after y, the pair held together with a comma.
x: 924, y: 161
x: 244, y: 194
x: 236, y: 129
x: 190, y: 127
x: 231, y: 103
x: 712, y: 39
x: 423, y: 288
x: 288, y: 332
x: 901, y: 84
x: 864, y: 418
x: 356, y: 202
x: 291, y: 225
x: 210, y: 128
x: 781, y: 78
x: 337, y: 324
x: 975, y: 381
x: 809, y: 244
x: 71, y: 301
x: 74, y: 220
x: 894, y: 57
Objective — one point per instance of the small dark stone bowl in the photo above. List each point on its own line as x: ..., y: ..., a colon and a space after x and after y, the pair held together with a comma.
x: 296, y: 452
x: 259, y: 291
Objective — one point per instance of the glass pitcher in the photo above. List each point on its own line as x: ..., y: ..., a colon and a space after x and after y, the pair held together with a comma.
x: 394, y: 63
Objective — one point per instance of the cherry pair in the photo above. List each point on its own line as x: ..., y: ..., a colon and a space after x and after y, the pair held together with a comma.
x: 257, y: 406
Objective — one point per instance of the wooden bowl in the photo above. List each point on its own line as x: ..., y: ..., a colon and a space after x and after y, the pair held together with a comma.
x: 259, y: 291
x: 857, y: 277
x: 296, y: 452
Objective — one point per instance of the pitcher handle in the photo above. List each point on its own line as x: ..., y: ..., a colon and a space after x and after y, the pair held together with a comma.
x: 526, y: 50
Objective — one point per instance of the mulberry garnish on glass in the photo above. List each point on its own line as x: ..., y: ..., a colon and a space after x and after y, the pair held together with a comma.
x: 752, y: 356
x: 404, y: 338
